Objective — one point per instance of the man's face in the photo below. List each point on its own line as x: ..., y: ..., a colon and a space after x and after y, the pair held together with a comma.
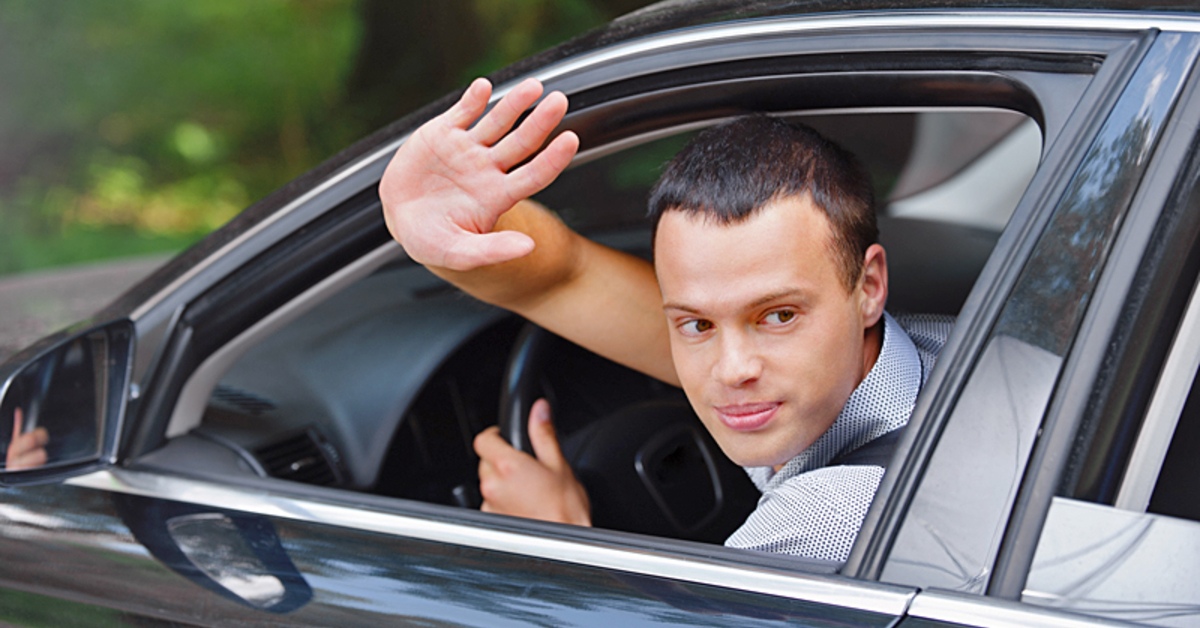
x: 767, y: 341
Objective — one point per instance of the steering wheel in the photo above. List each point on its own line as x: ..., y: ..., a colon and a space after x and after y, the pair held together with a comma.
x: 648, y: 466
x: 522, y: 383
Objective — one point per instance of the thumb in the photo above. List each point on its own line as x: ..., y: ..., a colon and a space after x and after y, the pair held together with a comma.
x: 470, y: 251
x: 17, y: 419
x: 543, y: 438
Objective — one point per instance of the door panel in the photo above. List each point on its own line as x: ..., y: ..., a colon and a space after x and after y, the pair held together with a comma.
x: 71, y: 542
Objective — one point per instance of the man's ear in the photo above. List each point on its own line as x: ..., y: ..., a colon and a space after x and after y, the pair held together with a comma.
x: 873, y: 285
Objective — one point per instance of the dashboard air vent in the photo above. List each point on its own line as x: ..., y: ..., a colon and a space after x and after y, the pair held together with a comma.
x: 303, y: 456
x: 247, y: 402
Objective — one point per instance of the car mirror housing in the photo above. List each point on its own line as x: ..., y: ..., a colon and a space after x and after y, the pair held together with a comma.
x: 62, y: 402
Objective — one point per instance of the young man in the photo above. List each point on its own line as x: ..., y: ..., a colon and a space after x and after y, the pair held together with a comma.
x: 766, y: 269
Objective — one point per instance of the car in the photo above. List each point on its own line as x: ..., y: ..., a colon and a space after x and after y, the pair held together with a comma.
x: 274, y: 428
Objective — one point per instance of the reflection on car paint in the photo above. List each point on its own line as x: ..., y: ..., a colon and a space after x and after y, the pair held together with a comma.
x: 434, y: 582
x: 213, y: 543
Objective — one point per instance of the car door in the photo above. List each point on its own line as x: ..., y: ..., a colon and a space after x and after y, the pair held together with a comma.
x: 1053, y: 407
x: 176, y: 533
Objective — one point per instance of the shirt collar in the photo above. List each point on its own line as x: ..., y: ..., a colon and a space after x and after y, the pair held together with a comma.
x: 881, y: 403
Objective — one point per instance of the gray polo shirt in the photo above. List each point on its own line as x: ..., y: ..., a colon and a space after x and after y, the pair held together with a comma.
x: 809, y: 509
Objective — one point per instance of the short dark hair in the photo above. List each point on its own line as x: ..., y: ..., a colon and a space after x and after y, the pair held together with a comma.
x: 730, y: 171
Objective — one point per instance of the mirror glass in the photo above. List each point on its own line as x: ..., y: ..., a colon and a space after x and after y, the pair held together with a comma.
x: 53, y: 409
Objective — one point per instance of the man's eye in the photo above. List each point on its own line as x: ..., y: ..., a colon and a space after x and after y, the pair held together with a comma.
x: 779, y: 317
x: 696, y: 327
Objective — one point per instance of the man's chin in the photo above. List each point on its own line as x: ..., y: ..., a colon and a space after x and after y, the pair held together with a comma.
x: 751, y: 454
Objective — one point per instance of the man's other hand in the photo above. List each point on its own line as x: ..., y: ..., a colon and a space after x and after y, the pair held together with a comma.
x: 450, y: 181
x: 515, y: 483
x: 26, y: 451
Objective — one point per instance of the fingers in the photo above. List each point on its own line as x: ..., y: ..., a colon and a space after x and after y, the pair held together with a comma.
x: 545, y: 168
x: 514, y: 483
x: 533, y: 131
x: 39, y: 437
x: 489, y: 445
x: 543, y: 438
x: 471, y: 105
x: 26, y: 451
x: 500, y: 119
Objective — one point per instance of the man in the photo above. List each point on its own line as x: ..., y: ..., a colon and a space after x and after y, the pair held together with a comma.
x: 766, y: 269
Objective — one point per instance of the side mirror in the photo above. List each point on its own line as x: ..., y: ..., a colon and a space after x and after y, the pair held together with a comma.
x: 62, y: 402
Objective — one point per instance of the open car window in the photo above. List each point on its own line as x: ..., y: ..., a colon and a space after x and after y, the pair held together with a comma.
x: 381, y: 386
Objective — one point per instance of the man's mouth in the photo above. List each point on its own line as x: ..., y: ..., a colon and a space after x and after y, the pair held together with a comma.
x: 746, y: 417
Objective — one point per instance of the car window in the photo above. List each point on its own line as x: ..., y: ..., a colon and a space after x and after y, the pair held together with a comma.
x: 381, y: 387
x: 1138, y: 558
x: 1177, y: 489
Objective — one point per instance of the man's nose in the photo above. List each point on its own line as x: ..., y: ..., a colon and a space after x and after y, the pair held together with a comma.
x: 739, y: 363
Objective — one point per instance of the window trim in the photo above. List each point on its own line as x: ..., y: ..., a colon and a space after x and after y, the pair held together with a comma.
x: 698, y: 563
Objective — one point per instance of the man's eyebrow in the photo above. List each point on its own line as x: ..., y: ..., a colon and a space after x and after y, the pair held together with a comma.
x: 767, y: 298
x: 670, y: 305
x: 775, y: 296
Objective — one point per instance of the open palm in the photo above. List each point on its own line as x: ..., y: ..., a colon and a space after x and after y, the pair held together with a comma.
x: 450, y: 181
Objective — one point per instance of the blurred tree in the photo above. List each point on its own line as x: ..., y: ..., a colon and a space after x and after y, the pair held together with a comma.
x: 414, y: 52
x: 131, y: 126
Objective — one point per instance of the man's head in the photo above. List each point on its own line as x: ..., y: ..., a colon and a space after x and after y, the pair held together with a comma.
x: 771, y: 282
x: 730, y: 172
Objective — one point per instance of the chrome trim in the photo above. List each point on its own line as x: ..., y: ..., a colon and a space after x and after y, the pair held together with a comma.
x: 776, y: 26
x: 988, y: 612
x: 868, y: 596
x: 1046, y: 20
x: 1170, y: 395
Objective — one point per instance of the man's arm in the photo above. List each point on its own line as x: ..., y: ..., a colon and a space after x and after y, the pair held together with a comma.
x: 447, y: 196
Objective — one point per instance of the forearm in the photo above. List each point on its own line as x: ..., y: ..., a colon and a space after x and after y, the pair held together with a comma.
x: 554, y: 261
x: 599, y: 298
x: 611, y: 306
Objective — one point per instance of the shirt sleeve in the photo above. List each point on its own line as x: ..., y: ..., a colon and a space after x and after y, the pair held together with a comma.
x: 815, y: 514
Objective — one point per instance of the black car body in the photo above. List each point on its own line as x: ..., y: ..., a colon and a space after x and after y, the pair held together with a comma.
x: 276, y: 424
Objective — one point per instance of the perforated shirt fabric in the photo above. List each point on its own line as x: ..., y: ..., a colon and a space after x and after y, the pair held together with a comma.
x: 813, y: 510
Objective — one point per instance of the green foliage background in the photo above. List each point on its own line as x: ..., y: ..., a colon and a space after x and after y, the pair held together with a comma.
x: 138, y: 126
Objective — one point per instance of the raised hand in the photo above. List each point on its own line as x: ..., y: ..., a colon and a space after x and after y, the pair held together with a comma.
x: 26, y: 451
x: 448, y: 184
x: 515, y: 483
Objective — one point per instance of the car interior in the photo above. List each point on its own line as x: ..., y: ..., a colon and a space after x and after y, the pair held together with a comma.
x: 380, y: 383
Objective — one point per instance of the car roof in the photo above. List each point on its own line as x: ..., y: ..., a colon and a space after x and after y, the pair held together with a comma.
x: 676, y: 14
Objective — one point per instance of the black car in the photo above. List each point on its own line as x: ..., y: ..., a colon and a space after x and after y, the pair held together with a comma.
x: 274, y: 429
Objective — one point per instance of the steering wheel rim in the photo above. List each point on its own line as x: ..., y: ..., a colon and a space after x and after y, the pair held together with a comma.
x: 521, y: 384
